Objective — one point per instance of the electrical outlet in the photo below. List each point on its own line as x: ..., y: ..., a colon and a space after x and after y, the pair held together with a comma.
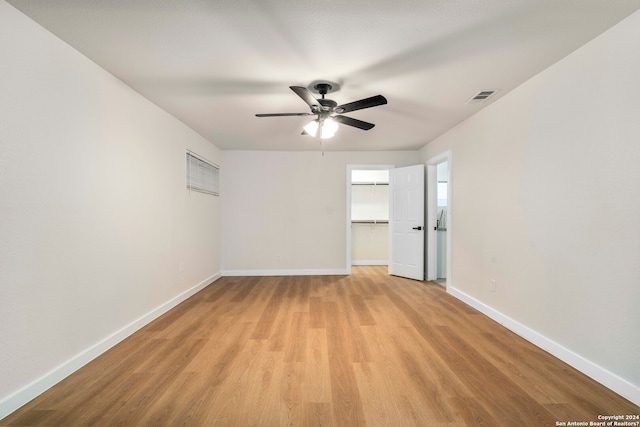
x: 493, y: 285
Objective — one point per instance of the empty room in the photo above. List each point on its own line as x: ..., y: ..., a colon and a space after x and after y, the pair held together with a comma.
x: 355, y: 213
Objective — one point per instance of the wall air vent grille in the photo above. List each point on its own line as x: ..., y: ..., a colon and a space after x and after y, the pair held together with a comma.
x: 481, y: 97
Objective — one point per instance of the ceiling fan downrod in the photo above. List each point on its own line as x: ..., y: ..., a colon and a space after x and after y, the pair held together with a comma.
x: 327, y: 104
x: 323, y: 88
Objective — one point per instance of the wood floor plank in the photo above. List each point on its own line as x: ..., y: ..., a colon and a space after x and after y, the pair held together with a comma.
x: 246, y: 287
x: 260, y: 405
x: 362, y: 350
x: 291, y: 383
x: 317, y: 414
x: 401, y: 404
x: 270, y: 312
x: 473, y: 412
x: 221, y: 366
x: 347, y: 409
x: 317, y: 387
x: 506, y: 403
x: 361, y: 309
x: 417, y: 379
x: 316, y: 314
x: 296, y: 342
x: 375, y: 403
x: 281, y: 325
x: 139, y: 400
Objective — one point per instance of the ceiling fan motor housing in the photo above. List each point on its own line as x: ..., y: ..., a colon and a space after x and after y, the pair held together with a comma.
x: 328, y: 103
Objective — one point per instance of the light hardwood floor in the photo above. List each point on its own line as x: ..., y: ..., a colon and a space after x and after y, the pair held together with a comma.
x: 362, y: 350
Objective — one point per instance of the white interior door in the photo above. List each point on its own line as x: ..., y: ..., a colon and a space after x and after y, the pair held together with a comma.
x: 406, y: 222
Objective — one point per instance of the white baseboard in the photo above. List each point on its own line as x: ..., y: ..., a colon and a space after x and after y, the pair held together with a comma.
x: 323, y: 272
x: 610, y: 380
x: 37, y: 387
x: 370, y: 262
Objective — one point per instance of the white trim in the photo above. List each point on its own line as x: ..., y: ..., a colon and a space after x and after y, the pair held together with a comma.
x: 17, y: 399
x: 432, y: 218
x: 351, y: 168
x: 610, y: 380
x: 370, y: 262
x: 446, y: 156
x: 323, y: 272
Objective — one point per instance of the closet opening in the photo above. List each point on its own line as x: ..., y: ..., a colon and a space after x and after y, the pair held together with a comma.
x: 367, y: 215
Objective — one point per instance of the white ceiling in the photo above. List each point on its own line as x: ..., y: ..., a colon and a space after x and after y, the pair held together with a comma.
x: 214, y: 64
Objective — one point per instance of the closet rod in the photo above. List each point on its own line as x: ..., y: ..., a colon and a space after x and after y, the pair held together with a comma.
x: 369, y: 183
x: 369, y: 221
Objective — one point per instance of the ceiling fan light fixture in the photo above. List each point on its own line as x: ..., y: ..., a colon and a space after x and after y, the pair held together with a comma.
x: 311, y: 128
x: 329, y: 128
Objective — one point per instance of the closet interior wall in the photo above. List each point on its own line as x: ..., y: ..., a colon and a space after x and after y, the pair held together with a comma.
x: 370, y: 218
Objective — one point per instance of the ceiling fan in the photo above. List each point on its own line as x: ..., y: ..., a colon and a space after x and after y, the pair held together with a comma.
x: 328, y: 111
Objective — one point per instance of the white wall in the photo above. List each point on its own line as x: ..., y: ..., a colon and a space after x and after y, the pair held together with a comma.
x: 546, y: 201
x: 285, y: 212
x: 370, y: 202
x: 94, y: 214
x: 369, y: 244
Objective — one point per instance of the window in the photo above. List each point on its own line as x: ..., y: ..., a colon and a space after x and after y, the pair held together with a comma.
x: 202, y: 175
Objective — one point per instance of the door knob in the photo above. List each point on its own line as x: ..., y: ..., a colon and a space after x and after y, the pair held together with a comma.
x: 418, y: 227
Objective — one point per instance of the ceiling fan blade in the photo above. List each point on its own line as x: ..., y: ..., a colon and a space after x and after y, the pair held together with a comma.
x: 284, y: 114
x: 373, y: 101
x: 349, y: 121
x: 306, y: 96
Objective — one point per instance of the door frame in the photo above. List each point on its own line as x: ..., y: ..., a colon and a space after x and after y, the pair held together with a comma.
x: 351, y: 168
x: 432, y: 215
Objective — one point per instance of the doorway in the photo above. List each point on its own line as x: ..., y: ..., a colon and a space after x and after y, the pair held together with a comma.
x: 367, y: 215
x: 439, y: 198
x: 441, y: 221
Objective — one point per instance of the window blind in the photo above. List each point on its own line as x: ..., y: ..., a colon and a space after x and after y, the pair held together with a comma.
x: 201, y: 175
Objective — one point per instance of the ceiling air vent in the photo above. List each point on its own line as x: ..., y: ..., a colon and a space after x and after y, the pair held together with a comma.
x: 481, y: 97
